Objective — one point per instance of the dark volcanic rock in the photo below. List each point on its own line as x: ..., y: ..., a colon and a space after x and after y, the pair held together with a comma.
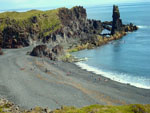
x: 58, y: 50
x: 130, y: 27
x: 15, y: 37
x: 74, y: 28
x: 40, y: 51
x: 1, y: 52
x: 34, y: 19
x: 117, y: 22
x: 44, y: 51
x: 75, y: 25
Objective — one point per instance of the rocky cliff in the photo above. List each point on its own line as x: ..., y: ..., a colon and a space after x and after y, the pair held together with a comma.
x: 68, y: 27
x: 22, y: 29
x: 1, y: 52
x: 74, y: 25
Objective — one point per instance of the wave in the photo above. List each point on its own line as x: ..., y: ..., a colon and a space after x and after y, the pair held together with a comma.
x: 121, y: 77
x: 143, y: 27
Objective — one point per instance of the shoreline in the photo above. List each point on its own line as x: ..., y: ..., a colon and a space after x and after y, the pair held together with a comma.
x: 41, y: 82
x: 105, y: 74
x: 31, y: 81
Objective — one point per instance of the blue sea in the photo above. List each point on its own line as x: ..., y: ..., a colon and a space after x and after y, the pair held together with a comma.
x: 126, y: 60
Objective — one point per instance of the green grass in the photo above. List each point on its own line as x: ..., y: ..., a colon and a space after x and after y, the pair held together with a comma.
x: 106, y: 109
x: 48, y: 21
x: 133, y: 108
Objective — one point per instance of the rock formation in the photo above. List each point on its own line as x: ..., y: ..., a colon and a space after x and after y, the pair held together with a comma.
x: 40, y: 51
x: 117, y: 22
x: 74, y: 25
x: 53, y: 26
x: 1, y: 52
x: 14, y: 37
x: 58, y: 50
x: 117, y: 25
x: 69, y: 27
x: 44, y: 51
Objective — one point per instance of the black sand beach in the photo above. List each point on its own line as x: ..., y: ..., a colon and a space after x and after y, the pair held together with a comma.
x: 31, y: 81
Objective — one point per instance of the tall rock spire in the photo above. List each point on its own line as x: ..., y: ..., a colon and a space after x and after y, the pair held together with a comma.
x: 117, y: 22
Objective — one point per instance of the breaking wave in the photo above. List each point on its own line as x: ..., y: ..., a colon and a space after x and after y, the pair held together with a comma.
x: 119, y: 77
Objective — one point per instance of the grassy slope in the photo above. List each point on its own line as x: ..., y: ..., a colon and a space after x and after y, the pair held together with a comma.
x: 46, y: 19
x: 136, y: 108
x: 106, y: 109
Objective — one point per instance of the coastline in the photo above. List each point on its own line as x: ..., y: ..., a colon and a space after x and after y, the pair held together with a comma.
x: 37, y: 81
x: 111, y: 76
x: 32, y: 81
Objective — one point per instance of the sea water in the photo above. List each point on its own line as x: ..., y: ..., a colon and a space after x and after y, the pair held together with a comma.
x: 126, y: 60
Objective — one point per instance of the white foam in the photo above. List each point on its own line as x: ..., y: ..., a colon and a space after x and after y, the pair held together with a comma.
x: 122, y: 78
x: 143, y: 27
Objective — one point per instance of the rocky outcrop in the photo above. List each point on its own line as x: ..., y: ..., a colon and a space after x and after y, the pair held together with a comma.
x: 40, y: 51
x: 9, y: 107
x: 50, y: 27
x: 14, y: 37
x: 74, y: 25
x: 58, y: 50
x: 117, y: 25
x: 130, y: 28
x: 51, y: 53
x: 1, y: 52
x: 68, y: 26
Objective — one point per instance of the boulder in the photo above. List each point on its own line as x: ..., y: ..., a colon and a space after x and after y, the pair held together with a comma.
x: 1, y: 52
x: 40, y: 51
x: 43, y: 51
x: 58, y: 50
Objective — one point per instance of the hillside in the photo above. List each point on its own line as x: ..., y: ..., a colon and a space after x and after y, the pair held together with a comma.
x: 20, y: 29
x: 8, y: 107
x: 17, y: 28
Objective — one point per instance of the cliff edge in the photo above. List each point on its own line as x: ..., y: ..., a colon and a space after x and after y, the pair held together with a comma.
x: 65, y: 27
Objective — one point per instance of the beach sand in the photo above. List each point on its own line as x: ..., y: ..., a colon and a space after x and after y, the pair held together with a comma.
x: 31, y: 81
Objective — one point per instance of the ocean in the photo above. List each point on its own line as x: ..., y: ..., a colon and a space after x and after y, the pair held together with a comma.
x: 126, y: 60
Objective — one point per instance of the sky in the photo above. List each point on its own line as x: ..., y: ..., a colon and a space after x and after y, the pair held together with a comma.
x: 32, y: 4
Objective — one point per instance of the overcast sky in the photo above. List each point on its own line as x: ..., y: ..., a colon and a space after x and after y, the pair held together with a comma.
x: 16, y: 4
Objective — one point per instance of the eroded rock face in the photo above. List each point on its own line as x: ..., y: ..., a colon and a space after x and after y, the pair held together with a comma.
x: 13, y: 38
x: 117, y: 22
x: 44, y: 51
x: 75, y: 25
